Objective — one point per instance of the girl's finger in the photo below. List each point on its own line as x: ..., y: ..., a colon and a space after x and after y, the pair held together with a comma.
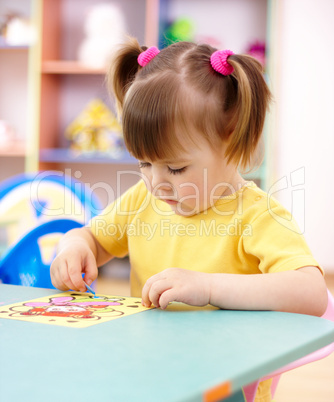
x: 75, y: 277
x: 146, y: 288
x: 90, y: 270
x: 144, y: 294
x: 156, y: 289
x: 66, y: 277
x: 167, y: 297
x: 57, y: 278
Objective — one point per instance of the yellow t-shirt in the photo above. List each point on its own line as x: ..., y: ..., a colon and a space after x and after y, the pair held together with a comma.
x: 247, y: 232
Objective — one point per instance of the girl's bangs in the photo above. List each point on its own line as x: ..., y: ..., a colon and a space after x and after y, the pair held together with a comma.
x: 156, y: 120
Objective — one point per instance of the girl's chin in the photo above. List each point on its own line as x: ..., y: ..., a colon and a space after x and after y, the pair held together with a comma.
x: 182, y: 210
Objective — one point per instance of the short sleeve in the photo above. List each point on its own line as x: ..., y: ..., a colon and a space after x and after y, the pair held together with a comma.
x: 275, y: 240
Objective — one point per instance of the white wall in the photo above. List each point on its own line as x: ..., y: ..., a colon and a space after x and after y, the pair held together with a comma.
x: 233, y: 24
x: 304, y: 135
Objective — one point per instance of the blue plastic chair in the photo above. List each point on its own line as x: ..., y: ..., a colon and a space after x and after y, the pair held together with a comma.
x: 27, y: 200
x: 23, y: 264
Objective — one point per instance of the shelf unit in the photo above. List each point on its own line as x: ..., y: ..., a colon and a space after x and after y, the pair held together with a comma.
x: 5, y: 46
x: 14, y: 96
x: 68, y: 67
x: 64, y: 155
x: 62, y: 78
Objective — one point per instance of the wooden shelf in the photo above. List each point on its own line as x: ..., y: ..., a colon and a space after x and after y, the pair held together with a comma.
x: 61, y: 155
x: 13, y: 48
x: 6, y: 46
x: 68, y: 67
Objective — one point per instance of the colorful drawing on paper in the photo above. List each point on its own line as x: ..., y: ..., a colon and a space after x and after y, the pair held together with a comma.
x: 73, y: 309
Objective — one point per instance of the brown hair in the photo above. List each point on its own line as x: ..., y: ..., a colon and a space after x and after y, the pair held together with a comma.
x: 178, y: 92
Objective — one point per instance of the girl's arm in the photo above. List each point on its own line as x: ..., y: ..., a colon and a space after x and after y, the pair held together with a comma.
x: 300, y: 291
x: 78, y: 252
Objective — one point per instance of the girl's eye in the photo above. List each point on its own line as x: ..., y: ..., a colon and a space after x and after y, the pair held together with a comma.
x: 143, y: 165
x: 176, y: 171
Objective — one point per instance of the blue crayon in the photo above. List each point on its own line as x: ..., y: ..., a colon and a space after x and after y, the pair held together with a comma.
x: 90, y: 289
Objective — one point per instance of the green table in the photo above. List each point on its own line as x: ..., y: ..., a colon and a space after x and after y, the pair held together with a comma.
x: 178, y: 354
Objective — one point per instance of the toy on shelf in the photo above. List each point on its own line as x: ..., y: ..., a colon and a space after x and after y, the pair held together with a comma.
x: 17, y: 30
x: 96, y: 129
x: 258, y: 51
x: 181, y: 29
x: 104, y: 30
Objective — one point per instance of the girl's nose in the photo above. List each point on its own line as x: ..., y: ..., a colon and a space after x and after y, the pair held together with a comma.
x: 158, y: 179
x: 161, y: 184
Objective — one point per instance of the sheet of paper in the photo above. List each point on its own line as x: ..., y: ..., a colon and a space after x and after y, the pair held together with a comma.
x: 73, y: 309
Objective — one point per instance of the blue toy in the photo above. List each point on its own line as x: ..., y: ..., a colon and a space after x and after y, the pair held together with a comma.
x: 23, y: 263
x: 28, y: 200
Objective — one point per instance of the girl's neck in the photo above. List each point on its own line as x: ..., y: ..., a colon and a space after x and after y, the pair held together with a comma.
x: 236, y: 182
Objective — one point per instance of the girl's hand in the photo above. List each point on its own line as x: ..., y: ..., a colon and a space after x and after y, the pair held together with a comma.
x: 67, y: 268
x: 175, y: 284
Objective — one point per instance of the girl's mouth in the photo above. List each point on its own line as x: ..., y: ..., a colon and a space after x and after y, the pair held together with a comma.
x: 170, y: 202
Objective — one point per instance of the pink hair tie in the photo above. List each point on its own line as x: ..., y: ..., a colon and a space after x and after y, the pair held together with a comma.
x: 219, y: 62
x: 147, y: 56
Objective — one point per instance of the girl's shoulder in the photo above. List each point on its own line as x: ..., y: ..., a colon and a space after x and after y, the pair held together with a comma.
x: 251, y: 194
x: 257, y: 203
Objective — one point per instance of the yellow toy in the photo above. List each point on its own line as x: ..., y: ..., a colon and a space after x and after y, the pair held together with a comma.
x: 96, y: 129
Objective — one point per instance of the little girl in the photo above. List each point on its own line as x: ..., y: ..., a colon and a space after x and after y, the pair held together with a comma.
x: 195, y: 230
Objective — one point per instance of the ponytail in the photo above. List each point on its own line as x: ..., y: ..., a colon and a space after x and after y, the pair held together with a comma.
x: 252, y: 101
x: 123, y: 70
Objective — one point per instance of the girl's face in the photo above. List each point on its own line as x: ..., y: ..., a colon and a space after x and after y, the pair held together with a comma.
x: 193, y: 181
